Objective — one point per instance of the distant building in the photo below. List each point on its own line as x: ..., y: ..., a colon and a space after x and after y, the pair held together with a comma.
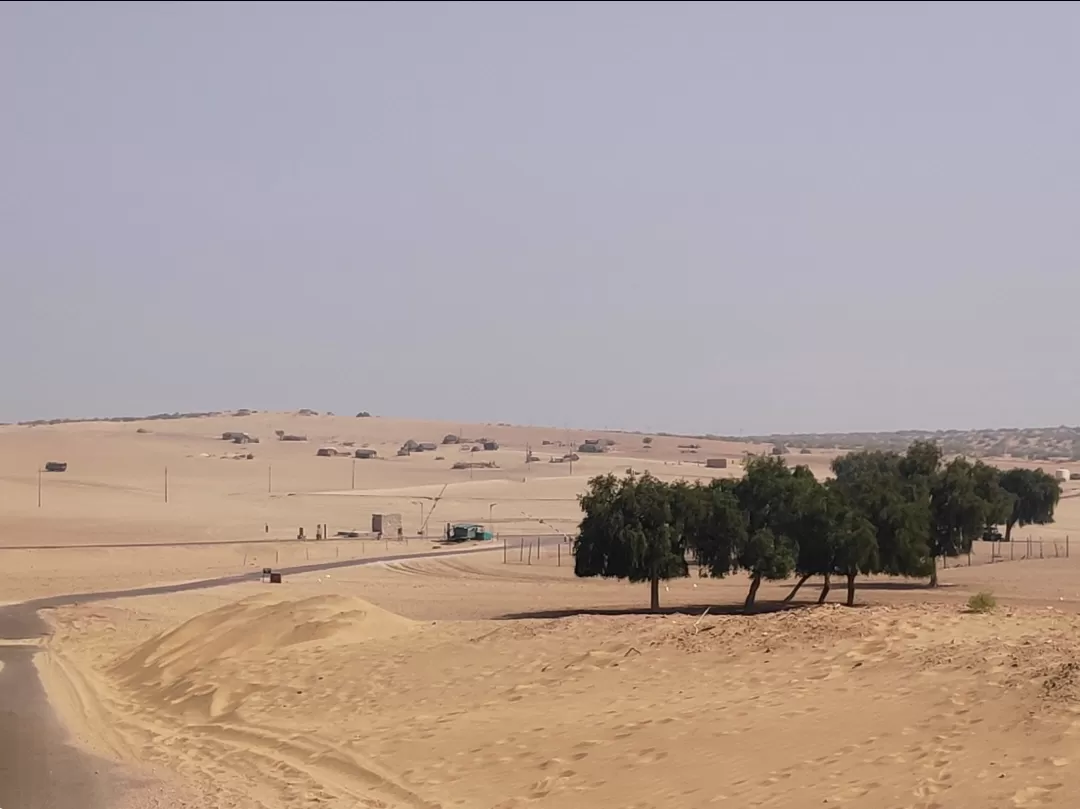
x: 56, y: 466
x: 1063, y: 474
x: 365, y: 453
x: 716, y: 463
x: 387, y: 524
x: 491, y: 445
x: 426, y: 447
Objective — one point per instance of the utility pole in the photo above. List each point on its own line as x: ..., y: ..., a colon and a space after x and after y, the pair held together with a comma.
x: 353, y: 484
x: 166, y: 484
x: 269, y: 479
x: 491, y: 511
x: 39, y: 487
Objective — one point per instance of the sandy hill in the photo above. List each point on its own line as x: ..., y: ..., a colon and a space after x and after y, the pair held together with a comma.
x: 114, y: 489
x: 908, y: 706
x: 193, y: 670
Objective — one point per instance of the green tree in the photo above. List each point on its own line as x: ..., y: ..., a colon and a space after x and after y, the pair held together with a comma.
x: 809, y: 527
x: 630, y: 531
x: 766, y: 496
x: 714, y: 525
x: 833, y: 538
x: 999, y: 503
x: 957, y: 511
x: 1034, y: 496
x: 854, y: 544
x: 891, y: 494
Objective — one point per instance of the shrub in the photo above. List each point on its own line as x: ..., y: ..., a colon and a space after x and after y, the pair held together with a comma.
x: 982, y: 602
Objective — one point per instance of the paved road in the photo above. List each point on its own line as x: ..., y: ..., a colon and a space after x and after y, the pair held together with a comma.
x: 38, y: 768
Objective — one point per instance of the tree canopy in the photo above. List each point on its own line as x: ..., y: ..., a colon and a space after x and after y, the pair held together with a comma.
x: 883, y: 512
x: 631, y: 531
x: 1033, y: 495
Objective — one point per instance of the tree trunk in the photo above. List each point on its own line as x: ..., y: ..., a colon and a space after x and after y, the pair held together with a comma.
x: 755, y: 583
x: 800, y: 583
x: 654, y: 587
x: 1008, y: 530
x: 824, y: 590
x: 851, y: 589
x: 933, y: 572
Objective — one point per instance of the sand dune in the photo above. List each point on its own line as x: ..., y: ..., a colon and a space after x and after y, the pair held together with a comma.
x: 334, y: 702
x: 496, y: 681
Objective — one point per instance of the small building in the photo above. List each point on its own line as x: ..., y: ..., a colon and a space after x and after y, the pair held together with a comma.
x: 1063, y: 474
x: 386, y: 524
x: 365, y: 453
x: 451, y: 439
x: 593, y: 447
x: 426, y: 446
x: 491, y: 446
x: 716, y: 463
x: 56, y: 466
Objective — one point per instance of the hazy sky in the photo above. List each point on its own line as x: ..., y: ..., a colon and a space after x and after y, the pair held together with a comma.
x: 757, y: 217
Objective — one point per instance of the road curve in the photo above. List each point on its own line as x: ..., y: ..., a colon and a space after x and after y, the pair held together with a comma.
x: 39, y: 769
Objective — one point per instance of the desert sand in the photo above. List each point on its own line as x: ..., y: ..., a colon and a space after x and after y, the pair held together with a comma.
x: 490, y: 679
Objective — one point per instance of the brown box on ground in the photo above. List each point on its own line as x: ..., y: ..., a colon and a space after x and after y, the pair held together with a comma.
x: 385, y: 523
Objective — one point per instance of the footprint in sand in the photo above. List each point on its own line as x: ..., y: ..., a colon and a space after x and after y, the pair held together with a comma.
x: 1034, y: 796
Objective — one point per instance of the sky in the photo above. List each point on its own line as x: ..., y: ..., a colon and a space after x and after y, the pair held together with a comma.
x: 727, y: 218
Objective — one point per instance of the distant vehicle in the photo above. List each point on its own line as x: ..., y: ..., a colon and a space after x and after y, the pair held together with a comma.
x: 992, y: 534
x: 463, y: 532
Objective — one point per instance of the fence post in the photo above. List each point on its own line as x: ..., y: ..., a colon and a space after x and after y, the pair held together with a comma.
x: 1066, y: 546
x: 530, y: 553
x: 521, y: 550
x: 538, y: 547
x: 558, y: 553
x: 504, y: 550
x: 1040, y: 547
x: 1011, y: 554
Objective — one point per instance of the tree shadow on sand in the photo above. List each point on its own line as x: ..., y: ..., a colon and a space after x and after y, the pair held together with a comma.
x: 693, y: 610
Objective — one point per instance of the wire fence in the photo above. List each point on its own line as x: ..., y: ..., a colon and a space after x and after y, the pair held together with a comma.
x: 557, y: 550
x: 1017, y: 550
x: 549, y: 549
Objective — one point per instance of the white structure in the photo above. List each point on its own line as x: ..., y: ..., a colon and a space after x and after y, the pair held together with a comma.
x: 1062, y: 474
